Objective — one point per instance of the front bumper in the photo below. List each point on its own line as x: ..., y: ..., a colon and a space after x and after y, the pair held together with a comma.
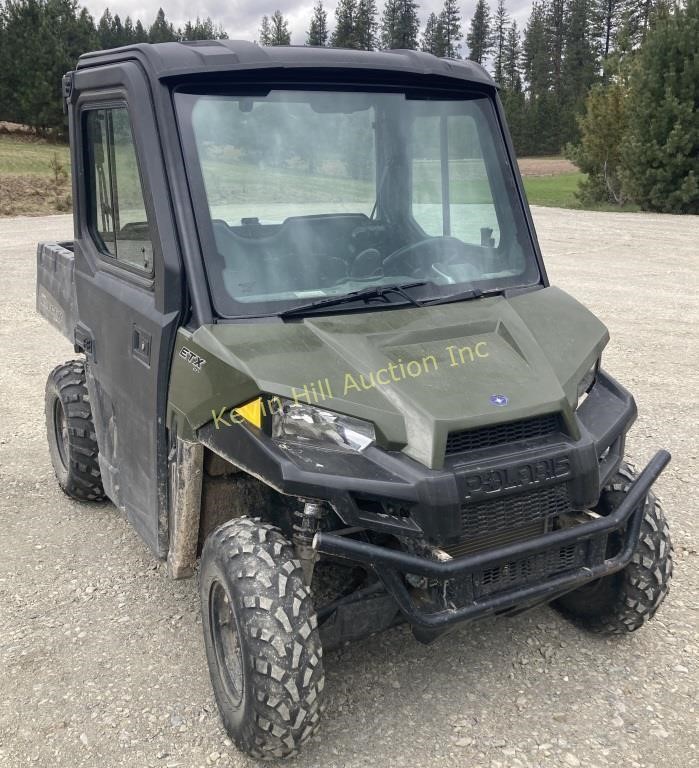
x: 386, y: 492
x: 590, y: 539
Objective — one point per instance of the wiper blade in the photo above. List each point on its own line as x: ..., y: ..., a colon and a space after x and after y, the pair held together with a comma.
x: 372, y: 292
x: 471, y: 293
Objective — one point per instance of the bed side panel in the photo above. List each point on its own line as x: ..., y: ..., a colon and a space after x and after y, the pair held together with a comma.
x: 55, y: 286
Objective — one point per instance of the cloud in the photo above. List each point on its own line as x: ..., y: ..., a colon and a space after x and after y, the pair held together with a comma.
x: 241, y: 18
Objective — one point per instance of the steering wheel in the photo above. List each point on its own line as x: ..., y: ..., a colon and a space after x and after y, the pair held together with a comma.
x: 408, y: 256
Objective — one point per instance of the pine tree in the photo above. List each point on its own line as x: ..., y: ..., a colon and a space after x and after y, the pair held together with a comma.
x: 581, y: 64
x: 660, y: 150
x: 637, y: 17
x: 450, y: 25
x: 279, y: 29
x: 515, y: 106
x: 500, y: 32
x: 389, y: 23
x: 511, y: 60
x: 118, y: 28
x: 345, y: 34
x: 400, y: 24
x: 129, y: 33
x: 598, y: 154
x: 265, y: 33
x: 318, y: 30
x: 105, y: 30
x: 203, y: 29
x: 161, y: 30
x: 542, y: 69
x: 140, y: 34
x: 512, y: 94
x: 609, y: 13
x: 536, y: 51
x: 432, y: 38
x: 479, y: 37
x: 556, y: 33
x: 366, y: 26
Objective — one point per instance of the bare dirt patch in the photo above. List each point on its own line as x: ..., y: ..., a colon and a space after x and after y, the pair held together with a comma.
x: 31, y: 195
x: 15, y: 129
x: 545, y: 166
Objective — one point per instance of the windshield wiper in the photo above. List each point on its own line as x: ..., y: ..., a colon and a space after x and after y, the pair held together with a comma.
x: 372, y: 292
x: 471, y: 293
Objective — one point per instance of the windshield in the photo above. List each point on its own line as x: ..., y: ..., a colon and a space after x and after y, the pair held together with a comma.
x: 306, y: 195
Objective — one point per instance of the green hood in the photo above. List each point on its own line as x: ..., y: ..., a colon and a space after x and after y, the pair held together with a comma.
x: 416, y: 373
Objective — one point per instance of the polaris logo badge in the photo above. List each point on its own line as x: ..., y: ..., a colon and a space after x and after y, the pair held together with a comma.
x: 191, y: 357
x: 499, y: 400
x: 494, y: 481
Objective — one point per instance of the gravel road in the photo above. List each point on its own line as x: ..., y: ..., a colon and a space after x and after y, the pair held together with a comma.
x: 101, y: 656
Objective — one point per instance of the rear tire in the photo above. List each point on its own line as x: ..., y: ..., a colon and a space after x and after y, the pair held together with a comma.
x: 624, y: 601
x: 71, y: 433
x: 261, y: 638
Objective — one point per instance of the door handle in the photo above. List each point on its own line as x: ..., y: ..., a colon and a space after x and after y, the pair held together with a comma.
x: 141, y: 345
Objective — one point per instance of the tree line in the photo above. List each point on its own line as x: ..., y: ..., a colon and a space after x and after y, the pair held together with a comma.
x: 545, y: 71
x: 614, y: 83
x: 40, y: 40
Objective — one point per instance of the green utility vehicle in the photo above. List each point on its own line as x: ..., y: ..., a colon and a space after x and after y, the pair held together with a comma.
x: 319, y: 354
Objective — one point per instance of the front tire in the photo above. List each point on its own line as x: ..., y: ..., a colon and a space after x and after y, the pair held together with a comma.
x: 624, y: 601
x: 71, y: 433
x: 261, y: 637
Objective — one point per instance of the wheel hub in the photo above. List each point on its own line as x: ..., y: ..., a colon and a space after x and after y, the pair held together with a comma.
x: 224, y: 634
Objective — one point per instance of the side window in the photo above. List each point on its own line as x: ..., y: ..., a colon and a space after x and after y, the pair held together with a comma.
x: 117, y: 212
x: 451, y: 189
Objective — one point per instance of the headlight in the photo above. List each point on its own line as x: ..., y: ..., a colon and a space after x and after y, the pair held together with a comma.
x: 587, y: 382
x: 299, y: 422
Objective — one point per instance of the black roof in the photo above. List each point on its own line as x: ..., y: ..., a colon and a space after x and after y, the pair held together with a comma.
x: 166, y: 60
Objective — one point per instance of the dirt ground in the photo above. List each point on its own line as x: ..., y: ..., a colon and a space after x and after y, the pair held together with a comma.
x: 101, y: 656
x: 545, y: 166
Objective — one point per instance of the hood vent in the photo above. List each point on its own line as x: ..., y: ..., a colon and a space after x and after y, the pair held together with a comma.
x: 500, y: 434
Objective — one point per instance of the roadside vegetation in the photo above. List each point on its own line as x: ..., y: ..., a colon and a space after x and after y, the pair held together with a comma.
x: 639, y: 135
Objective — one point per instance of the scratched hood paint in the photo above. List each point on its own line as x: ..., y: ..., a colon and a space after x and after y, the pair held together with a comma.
x: 416, y: 373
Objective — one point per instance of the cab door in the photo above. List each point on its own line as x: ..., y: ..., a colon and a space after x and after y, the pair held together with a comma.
x: 129, y: 290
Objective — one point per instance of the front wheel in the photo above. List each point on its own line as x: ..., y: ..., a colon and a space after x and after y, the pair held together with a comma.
x: 261, y: 638
x: 622, y: 602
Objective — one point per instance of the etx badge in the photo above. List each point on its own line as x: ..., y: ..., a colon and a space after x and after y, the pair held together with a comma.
x: 499, y: 400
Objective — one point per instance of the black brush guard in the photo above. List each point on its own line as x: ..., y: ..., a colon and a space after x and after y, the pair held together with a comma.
x: 389, y: 564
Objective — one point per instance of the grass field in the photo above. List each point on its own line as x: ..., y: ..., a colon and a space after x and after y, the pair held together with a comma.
x: 19, y: 156
x: 558, y: 191
x: 35, y: 179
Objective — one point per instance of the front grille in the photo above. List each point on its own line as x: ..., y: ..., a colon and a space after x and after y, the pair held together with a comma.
x: 528, y: 569
x: 499, y: 434
x: 497, y: 539
x: 512, y: 512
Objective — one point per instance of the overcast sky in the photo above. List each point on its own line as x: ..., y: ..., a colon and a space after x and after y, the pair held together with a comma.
x: 241, y: 18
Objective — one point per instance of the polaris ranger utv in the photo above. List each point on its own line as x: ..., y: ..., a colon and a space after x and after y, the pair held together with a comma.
x: 319, y: 352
